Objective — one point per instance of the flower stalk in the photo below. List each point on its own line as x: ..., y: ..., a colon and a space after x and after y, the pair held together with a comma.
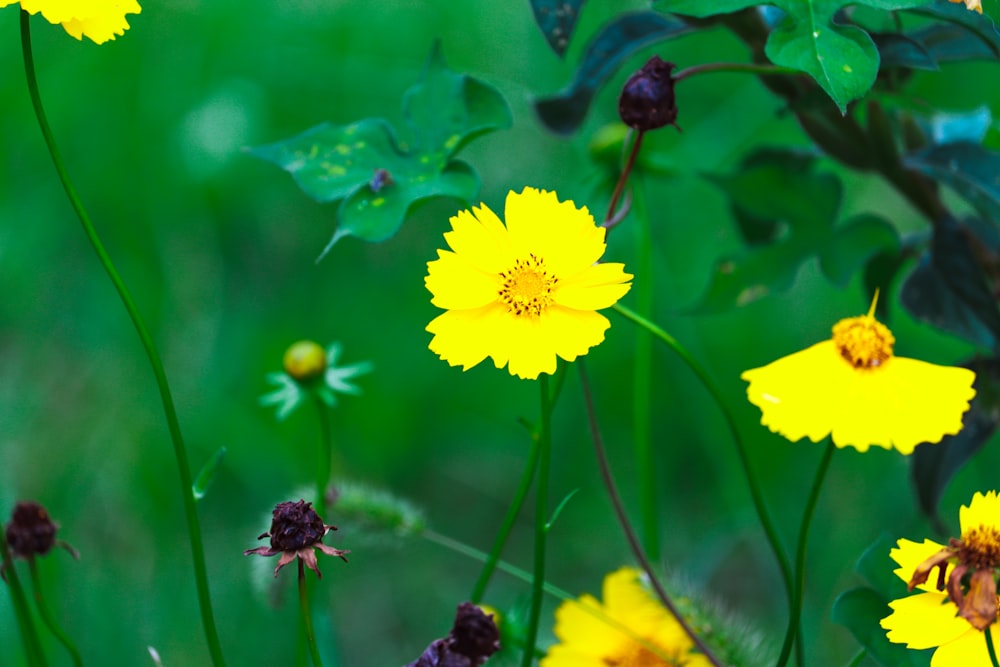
x: 307, y: 617
x: 180, y: 452
x: 990, y: 648
x: 48, y: 618
x: 25, y: 621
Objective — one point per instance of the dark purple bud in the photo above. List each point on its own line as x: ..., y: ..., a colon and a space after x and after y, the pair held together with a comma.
x: 647, y: 100
x: 30, y: 532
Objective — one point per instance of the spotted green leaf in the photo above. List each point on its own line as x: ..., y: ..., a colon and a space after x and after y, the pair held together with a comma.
x: 841, y: 58
x: 378, y: 174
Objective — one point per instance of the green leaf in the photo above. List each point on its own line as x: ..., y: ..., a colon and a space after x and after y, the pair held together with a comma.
x: 968, y: 168
x: 563, y: 113
x: 856, y: 243
x: 876, y: 566
x: 860, y: 610
x: 897, y: 50
x: 806, y: 212
x: 207, y: 474
x: 934, y: 465
x: 557, y: 19
x: 965, y: 35
x: 841, y: 58
x: 377, y: 175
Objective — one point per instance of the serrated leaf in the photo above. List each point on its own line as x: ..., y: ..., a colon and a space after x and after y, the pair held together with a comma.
x: 854, y: 244
x: 377, y: 175
x: 860, y: 610
x: 557, y: 19
x: 806, y: 211
x: 563, y: 113
x: 949, y: 291
x: 841, y: 58
x: 934, y: 465
x: 207, y: 474
x: 970, y: 169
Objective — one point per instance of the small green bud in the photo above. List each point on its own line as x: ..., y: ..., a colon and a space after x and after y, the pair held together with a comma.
x: 305, y: 360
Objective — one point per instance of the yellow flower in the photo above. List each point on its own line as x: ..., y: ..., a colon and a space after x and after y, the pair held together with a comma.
x: 853, y: 387
x: 976, y: 5
x: 525, y: 293
x: 629, y: 628
x: 933, y: 618
x: 100, y: 20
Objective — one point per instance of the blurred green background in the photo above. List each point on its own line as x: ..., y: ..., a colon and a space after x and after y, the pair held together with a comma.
x: 219, y: 249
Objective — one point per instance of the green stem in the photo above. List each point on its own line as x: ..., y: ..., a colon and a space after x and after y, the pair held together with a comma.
x: 622, y: 516
x: 763, y: 514
x: 325, y: 453
x: 50, y: 622
x: 751, y: 68
x: 541, y: 520
x: 187, y: 495
x: 508, y: 520
x: 989, y: 646
x: 856, y: 660
x: 25, y: 621
x: 642, y: 374
x: 609, y: 218
x: 307, y: 617
x: 794, y: 618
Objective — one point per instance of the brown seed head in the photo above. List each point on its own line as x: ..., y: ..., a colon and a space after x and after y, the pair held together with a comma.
x: 295, y: 525
x: 475, y: 634
x: 31, y: 531
x: 647, y: 101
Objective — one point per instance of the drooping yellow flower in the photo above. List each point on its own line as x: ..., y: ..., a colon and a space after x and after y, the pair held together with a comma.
x: 524, y: 293
x: 950, y: 614
x: 99, y: 20
x: 630, y: 627
x: 976, y: 5
x: 853, y: 387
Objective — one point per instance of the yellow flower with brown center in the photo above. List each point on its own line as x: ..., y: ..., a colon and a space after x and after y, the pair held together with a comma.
x: 522, y: 293
x: 630, y: 628
x: 953, y: 608
x: 99, y: 20
x: 975, y: 5
x: 855, y: 389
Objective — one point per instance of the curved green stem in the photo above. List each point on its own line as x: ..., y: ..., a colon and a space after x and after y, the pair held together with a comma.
x: 324, y: 462
x: 25, y: 621
x: 187, y: 496
x: 633, y: 153
x: 541, y: 520
x: 794, y: 619
x: 763, y: 515
x: 750, y: 68
x: 508, y: 520
x: 630, y: 536
x: 989, y: 646
x: 307, y: 617
x: 49, y: 620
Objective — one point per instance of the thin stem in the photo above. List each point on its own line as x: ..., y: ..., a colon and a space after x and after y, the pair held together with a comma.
x: 541, y: 520
x: 508, y: 520
x: 630, y: 536
x: 25, y: 621
x: 794, y: 619
x: 763, y: 515
x: 856, y: 660
x: 183, y: 468
x: 642, y: 378
x: 989, y: 646
x: 307, y: 617
x: 50, y: 621
x: 751, y: 68
x: 623, y: 178
x: 324, y: 462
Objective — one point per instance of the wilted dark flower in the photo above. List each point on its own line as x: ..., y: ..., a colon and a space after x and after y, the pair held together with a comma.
x: 472, y: 640
x: 296, y: 530
x: 31, y: 532
x: 647, y: 100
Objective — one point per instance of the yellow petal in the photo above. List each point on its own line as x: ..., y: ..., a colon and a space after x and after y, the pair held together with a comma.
x: 984, y: 510
x: 480, y: 239
x: 99, y: 20
x: 909, y: 555
x: 598, y: 286
x: 924, y: 620
x: 455, y: 334
x: 455, y: 283
x: 969, y: 650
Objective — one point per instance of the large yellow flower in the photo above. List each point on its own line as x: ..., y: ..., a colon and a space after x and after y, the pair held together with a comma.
x: 100, y: 20
x: 933, y: 618
x: 853, y: 387
x: 525, y: 293
x: 629, y: 628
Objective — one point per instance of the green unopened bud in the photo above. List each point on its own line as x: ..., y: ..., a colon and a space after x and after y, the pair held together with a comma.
x: 647, y: 100
x: 305, y: 360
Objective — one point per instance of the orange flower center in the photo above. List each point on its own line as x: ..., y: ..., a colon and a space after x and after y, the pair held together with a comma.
x: 981, y: 548
x: 526, y: 289
x: 863, y: 342
x: 638, y: 655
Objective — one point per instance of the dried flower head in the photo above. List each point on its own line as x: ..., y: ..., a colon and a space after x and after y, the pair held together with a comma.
x: 647, y: 101
x: 296, y: 530
x: 472, y: 640
x: 31, y: 532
